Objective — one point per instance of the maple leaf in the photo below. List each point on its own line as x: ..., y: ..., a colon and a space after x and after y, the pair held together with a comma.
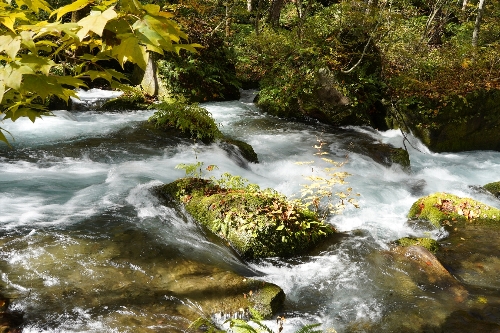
x: 72, y: 7
x: 2, y: 92
x: 10, y: 44
x: 130, y: 49
x: 95, y: 22
x: 12, y: 74
x: 37, y: 63
x: 9, y: 19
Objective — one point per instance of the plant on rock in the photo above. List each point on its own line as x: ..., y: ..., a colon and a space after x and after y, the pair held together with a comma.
x: 257, y: 223
x: 190, y: 119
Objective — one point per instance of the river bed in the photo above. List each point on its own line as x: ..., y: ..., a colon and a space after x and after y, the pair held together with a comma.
x: 86, y: 247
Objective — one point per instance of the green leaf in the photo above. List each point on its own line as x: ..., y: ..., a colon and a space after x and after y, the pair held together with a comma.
x: 12, y: 74
x: 9, y: 19
x: 97, y: 75
x: 35, y: 5
x: 130, y: 50
x: 95, y: 22
x: 37, y: 63
x: 72, y: 7
x: 2, y: 136
x: 44, y: 86
x: 2, y: 90
x: 27, y: 40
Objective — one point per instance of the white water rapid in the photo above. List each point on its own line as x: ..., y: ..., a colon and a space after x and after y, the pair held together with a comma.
x: 83, y: 242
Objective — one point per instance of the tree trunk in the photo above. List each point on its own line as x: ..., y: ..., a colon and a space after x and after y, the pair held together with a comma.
x: 149, y: 82
x: 477, y: 25
x: 464, y: 5
x: 275, y: 12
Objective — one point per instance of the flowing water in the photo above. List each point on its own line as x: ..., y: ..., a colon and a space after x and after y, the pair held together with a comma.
x: 86, y: 247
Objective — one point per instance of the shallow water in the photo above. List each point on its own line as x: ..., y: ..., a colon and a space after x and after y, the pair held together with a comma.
x: 86, y: 247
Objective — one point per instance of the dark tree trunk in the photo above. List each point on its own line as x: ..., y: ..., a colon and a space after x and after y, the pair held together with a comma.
x: 275, y: 12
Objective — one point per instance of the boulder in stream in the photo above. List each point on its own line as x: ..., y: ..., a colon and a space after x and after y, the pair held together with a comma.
x: 256, y: 223
x: 493, y: 188
x: 470, y: 250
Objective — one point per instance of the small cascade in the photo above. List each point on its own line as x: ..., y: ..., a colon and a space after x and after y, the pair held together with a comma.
x: 92, y: 99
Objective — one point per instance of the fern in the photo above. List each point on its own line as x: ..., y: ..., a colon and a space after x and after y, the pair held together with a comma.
x: 309, y: 329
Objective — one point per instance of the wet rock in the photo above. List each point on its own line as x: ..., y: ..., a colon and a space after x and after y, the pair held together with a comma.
x: 239, y: 151
x: 127, y: 277
x: 256, y: 223
x: 460, y: 123
x: 493, y: 188
x: 444, y: 209
x: 382, y: 153
x: 471, y: 249
x: 427, y: 270
x: 10, y: 321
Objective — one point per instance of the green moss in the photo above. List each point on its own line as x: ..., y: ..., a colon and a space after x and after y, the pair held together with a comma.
x: 246, y: 150
x: 401, y: 157
x: 127, y: 101
x: 493, y: 188
x: 267, y: 300
x: 448, y: 209
x: 257, y: 223
x: 430, y: 244
x: 454, y: 123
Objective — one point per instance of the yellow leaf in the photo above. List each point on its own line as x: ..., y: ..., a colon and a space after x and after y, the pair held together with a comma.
x: 72, y: 7
x: 10, y: 45
x: 95, y: 22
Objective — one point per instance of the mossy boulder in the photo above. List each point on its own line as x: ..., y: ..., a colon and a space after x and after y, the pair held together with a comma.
x: 444, y: 209
x: 493, y: 188
x: 244, y: 150
x: 428, y: 243
x: 457, y: 123
x: 471, y: 248
x: 127, y: 101
x: 256, y: 223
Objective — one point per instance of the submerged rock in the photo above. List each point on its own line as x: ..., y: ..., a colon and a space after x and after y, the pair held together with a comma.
x: 426, y: 269
x: 10, y: 321
x: 256, y: 223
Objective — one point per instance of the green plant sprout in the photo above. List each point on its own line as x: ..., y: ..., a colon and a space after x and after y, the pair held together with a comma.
x: 248, y: 326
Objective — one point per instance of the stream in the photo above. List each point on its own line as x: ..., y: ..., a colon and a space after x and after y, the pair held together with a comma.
x: 86, y: 247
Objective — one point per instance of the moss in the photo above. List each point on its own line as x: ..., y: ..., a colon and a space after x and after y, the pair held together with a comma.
x: 400, y: 156
x: 493, y: 188
x: 128, y: 101
x: 257, y: 223
x: 429, y: 243
x: 246, y: 150
x: 191, y: 120
x: 448, y: 209
x: 455, y: 123
x: 267, y: 300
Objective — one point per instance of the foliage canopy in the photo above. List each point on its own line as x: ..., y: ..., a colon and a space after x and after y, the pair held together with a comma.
x: 39, y: 48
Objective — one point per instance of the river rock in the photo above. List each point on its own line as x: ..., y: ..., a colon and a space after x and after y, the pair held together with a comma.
x: 444, y: 209
x: 256, y: 223
x: 425, y: 269
x: 493, y: 188
x: 460, y: 123
x: 471, y: 250
x: 10, y: 321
